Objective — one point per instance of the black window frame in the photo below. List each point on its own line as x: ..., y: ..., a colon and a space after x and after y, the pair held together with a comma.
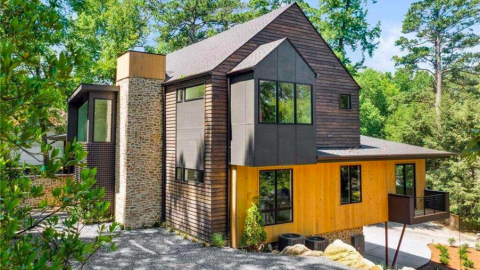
x: 349, y: 102
x: 405, y: 178
x: 185, y: 99
x: 350, y: 184
x: 276, y: 209
x: 295, y: 120
x: 183, y: 179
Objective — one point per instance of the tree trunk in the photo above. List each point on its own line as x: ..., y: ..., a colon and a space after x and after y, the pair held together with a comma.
x: 44, y: 129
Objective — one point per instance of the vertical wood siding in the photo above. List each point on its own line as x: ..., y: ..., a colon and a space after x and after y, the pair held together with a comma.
x: 316, y: 197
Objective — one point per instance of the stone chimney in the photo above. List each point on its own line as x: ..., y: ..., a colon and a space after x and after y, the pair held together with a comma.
x: 139, y: 150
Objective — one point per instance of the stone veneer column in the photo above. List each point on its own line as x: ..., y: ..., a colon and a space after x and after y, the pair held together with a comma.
x: 139, y: 152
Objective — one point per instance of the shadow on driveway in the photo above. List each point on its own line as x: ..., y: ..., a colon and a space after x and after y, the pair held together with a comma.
x: 159, y: 249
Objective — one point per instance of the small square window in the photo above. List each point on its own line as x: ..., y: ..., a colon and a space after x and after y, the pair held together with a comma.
x: 179, y: 174
x: 180, y: 95
x: 194, y: 175
x: 345, y: 101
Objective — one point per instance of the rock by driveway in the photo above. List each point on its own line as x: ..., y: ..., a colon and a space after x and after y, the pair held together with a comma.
x: 414, y: 251
x: 160, y: 249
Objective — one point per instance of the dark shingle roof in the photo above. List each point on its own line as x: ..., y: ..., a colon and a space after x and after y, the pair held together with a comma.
x: 256, y: 56
x: 207, y: 54
x: 372, y: 148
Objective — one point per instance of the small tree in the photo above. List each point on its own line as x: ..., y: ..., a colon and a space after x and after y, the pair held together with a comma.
x: 254, y: 232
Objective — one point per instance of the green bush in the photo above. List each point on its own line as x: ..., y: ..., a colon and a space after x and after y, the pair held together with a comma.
x: 444, y: 260
x: 451, y: 241
x: 463, y: 252
x: 254, y: 232
x: 467, y: 263
x: 217, y: 240
x: 444, y: 256
x: 477, y: 246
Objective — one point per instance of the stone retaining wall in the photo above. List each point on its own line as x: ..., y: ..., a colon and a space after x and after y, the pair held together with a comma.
x: 49, y: 184
x: 344, y: 235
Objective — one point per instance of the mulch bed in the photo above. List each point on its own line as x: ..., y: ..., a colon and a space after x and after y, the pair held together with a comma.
x: 454, y: 263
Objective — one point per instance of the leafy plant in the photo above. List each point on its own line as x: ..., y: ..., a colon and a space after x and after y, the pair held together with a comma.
x: 451, y: 241
x: 217, y: 240
x: 477, y: 246
x: 463, y: 252
x: 444, y: 256
x: 254, y: 231
x: 468, y: 263
x: 164, y: 224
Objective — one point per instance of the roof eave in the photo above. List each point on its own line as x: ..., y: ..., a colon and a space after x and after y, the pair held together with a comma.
x: 240, y: 71
x: 383, y: 157
x: 86, y: 87
x: 189, y: 77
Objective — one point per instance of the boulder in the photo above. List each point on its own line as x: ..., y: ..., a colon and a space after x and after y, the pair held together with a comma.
x: 313, y: 253
x: 275, y: 251
x: 296, y: 250
x: 377, y: 267
x: 347, y: 255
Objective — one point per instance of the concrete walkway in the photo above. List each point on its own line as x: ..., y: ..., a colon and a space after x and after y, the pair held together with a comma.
x: 414, y: 251
x: 160, y: 249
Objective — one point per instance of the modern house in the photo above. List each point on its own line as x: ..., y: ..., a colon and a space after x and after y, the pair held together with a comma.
x: 264, y: 110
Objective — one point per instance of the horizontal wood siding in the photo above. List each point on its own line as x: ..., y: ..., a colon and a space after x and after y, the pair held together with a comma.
x: 188, y: 205
x: 316, y: 197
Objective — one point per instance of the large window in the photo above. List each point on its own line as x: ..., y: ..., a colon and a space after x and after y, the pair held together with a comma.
x: 102, y: 121
x: 82, y: 126
x: 350, y: 184
x: 405, y: 179
x: 195, y: 92
x: 285, y: 103
x: 268, y: 102
x: 276, y: 196
x: 304, y: 104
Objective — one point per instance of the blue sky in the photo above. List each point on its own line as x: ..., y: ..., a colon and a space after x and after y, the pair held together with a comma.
x: 390, y: 13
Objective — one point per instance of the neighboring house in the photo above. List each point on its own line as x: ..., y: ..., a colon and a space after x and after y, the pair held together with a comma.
x: 264, y: 110
x: 33, y: 155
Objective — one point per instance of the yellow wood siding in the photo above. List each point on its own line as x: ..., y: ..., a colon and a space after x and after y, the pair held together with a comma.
x: 316, y: 197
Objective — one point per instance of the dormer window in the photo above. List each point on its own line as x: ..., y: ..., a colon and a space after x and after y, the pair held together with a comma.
x: 285, y: 103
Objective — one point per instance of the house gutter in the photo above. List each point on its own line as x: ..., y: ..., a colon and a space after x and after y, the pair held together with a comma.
x: 228, y: 157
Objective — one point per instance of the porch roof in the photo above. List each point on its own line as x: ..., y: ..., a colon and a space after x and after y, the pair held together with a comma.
x: 376, y: 149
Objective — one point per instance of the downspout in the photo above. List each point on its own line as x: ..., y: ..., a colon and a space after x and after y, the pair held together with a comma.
x: 228, y: 157
x: 164, y: 155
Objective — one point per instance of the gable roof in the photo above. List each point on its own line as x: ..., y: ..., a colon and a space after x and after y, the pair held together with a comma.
x: 205, y: 55
x: 260, y: 53
x: 373, y: 148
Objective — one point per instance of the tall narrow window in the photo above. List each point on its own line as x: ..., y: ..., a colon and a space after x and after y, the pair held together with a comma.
x: 286, y: 103
x: 195, y: 92
x: 304, y: 104
x: 82, y: 126
x: 268, y: 102
x: 350, y: 184
x: 405, y: 179
x: 345, y: 101
x: 102, y: 121
x: 276, y: 197
x: 180, y: 95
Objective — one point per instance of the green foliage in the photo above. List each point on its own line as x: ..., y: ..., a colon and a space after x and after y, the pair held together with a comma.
x: 477, y: 246
x: 451, y: 241
x: 181, y: 23
x: 217, y: 240
x: 103, y: 30
x: 254, y: 230
x: 468, y: 263
x: 344, y: 24
x: 444, y: 256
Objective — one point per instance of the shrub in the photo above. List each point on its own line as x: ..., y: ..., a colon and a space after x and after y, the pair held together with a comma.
x: 451, y: 241
x: 463, y: 252
x: 217, y: 240
x: 444, y: 260
x: 467, y: 263
x: 164, y: 224
x: 477, y: 246
x: 254, y: 232
x: 444, y: 256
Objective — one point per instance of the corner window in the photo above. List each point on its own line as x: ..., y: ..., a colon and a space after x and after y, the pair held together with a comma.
x: 304, y: 104
x: 82, y: 123
x: 102, y: 120
x: 286, y: 103
x: 350, y: 184
x: 405, y: 179
x: 268, y: 101
x: 195, y: 92
x: 179, y: 95
x: 345, y: 102
x: 276, y: 196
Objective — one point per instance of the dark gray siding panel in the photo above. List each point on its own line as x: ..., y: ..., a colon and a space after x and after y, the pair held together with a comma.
x: 305, y: 139
x: 286, y: 144
x: 286, y: 62
x: 190, y: 134
x: 265, y: 147
x: 267, y: 68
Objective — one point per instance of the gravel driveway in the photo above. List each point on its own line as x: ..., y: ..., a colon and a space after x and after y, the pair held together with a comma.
x: 160, y: 249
